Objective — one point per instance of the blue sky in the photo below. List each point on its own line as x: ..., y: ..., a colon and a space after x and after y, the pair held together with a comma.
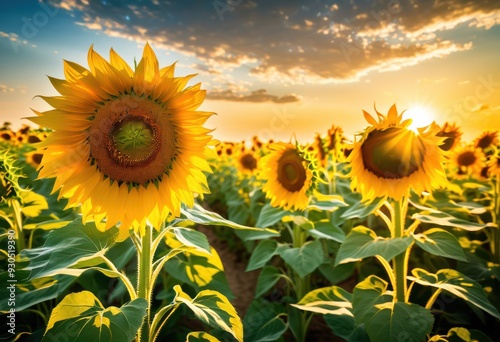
x: 274, y: 68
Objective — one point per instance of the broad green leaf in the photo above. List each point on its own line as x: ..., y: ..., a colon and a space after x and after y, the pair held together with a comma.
x: 457, y: 284
x: 460, y: 334
x: 386, y: 320
x: 337, y: 274
x: 443, y: 219
x: 327, y: 300
x: 362, y: 242
x: 264, y: 251
x: 326, y: 202
x: 262, y: 322
x: 214, y: 309
x: 270, y: 215
x: 200, y: 336
x: 198, y: 214
x: 361, y: 209
x: 33, y: 203
x: 325, y: 230
x: 268, y: 277
x: 299, y: 220
x: 192, y: 238
x: 81, y: 317
x: 438, y: 241
x: 345, y: 327
x: 66, y: 246
x: 304, y: 260
x: 29, y: 293
x: 47, y: 225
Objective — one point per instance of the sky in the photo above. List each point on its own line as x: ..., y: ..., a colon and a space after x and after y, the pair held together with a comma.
x: 274, y: 68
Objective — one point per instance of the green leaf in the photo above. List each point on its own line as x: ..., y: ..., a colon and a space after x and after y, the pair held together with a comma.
x: 361, y: 209
x: 67, y: 246
x: 327, y: 300
x: 443, y: 219
x: 304, y: 260
x: 337, y: 274
x: 264, y: 251
x: 198, y: 214
x: 345, y: 327
x: 214, y: 309
x: 268, y: 277
x: 262, y: 322
x: 457, y: 284
x: 192, y: 238
x: 386, y: 320
x: 326, y: 202
x: 460, y: 334
x: 81, y: 317
x: 270, y: 215
x: 362, y: 242
x: 438, y: 241
x: 324, y: 229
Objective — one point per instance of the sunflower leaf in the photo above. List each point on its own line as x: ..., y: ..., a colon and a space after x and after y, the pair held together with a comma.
x: 457, y: 284
x: 440, y: 242
x: 264, y: 251
x: 362, y: 243
x: 270, y: 215
x: 304, y: 260
x: 81, y: 317
x: 386, y: 320
x: 67, y: 246
x: 443, y: 219
x: 214, y: 309
x: 268, y: 277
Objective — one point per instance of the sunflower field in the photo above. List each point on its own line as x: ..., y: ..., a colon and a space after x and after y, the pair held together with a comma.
x: 122, y: 219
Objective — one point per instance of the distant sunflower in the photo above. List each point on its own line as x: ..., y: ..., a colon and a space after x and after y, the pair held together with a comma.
x: 247, y: 162
x: 494, y: 165
x: 487, y: 140
x: 288, y: 175
x: 467, y: 161
x: 127, y: 145
x: 390, y: 159
x: 452, y: 135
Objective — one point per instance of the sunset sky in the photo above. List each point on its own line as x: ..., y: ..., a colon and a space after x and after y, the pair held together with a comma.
x: 274, y: 68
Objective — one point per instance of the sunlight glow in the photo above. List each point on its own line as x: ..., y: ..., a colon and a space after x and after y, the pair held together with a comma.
x: 422, y: 116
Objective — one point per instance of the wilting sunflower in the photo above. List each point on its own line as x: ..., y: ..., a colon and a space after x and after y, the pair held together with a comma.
x: 127, y: 145
x: 390, y: 159
x: 452, y: 135
x: 467, y: 161
x: 288, y: 175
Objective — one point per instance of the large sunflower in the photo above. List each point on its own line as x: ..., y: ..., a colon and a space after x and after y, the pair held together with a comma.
x: 390, y: 159
x: 127, y: 145
x: 288, y: 176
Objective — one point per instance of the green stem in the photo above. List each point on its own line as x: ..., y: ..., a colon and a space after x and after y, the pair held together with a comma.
x: 144, y: 279
x: 302, y: 285
x: 399, y: 262
x: 495, y: 243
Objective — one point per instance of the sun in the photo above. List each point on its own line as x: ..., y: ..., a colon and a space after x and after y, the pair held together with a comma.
x: 421, y: 116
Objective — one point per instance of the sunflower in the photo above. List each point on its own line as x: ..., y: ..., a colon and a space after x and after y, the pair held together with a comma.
x: 494, y: 165
x: 452, y: 135
x: 247, y: 162
x: 487, y: 140
x: 288, y: 175
x: 127, y: 145
x: 390, y: 159
x: 467, y: 161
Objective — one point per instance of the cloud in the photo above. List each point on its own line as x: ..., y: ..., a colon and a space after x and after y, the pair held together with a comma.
x: 257, y: 96
x: 8, y: 89
x: 295, y: 42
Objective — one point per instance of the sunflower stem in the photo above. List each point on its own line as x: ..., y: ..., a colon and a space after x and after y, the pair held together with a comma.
x: 495, y: 240
x: 144, y: 278
x: 399, y: 262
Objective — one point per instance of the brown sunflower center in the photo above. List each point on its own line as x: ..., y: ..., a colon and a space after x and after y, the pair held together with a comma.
x: 132, y: 139
x: 485, y: 141
x: 291, y: 172
x: 248, y: 161
x: 392, y: 153
x: 448, y: 143
x: 466, y: 158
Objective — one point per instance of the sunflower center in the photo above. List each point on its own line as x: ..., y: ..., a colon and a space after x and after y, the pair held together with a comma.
x: 132, y: 139
x: 392, y: 153
x: 448, y: 143
x: 485, y: 141
x: 248, y: 161
x: 291, y: 171
x: 466, y: 158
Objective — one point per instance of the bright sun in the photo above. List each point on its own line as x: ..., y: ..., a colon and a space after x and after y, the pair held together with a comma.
x: 422, y: 116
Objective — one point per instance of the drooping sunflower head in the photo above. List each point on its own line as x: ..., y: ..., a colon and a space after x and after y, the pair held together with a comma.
x: 128, y: 145
x: 288, y: 171
x: 467, y: 161
x: 390, y: 159
x: 487, y: 140
x: 452, y: 135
